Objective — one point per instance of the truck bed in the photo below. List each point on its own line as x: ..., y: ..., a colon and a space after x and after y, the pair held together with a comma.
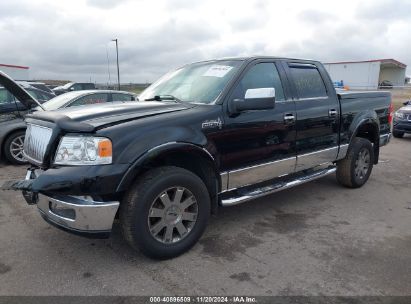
x: 362, y: 94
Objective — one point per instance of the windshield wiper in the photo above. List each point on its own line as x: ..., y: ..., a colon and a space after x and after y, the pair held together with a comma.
x: 163, y: 98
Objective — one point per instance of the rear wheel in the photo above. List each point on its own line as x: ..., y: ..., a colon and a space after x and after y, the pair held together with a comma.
x: 13, y: 148
x: 354, y: 170
x: 398, y: 134
x: 165, y: 212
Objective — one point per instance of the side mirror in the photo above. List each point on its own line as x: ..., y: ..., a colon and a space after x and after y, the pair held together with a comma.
x: 406, y: 103
x: 256, y: 99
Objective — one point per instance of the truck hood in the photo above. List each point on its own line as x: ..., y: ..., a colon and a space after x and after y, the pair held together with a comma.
x: 90, y: 118
x: 21, y: 94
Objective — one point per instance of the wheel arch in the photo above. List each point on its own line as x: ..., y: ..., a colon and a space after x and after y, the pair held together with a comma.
x: 368, y: 128
x: 180, y: 154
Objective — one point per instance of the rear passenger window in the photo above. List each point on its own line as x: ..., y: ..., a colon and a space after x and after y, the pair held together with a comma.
x: 262, y: 75
x: 122, y: 97
x: 90, y: 99
x: 5, y: 97
x: 76, y: 87
x: 88, y: 86
x: 308, y: 82
x: 34, y: 94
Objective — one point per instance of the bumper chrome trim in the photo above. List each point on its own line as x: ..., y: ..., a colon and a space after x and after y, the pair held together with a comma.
x: 78, y: 214
x: 385, y: 139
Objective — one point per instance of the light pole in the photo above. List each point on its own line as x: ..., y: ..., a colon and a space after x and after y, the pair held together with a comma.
x: 118, y: 68
x: 108, y: 69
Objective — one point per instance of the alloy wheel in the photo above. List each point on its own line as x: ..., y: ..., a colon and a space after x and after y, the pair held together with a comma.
x: 172, y: 215
x: 16, y: 148
x: 362, y: 163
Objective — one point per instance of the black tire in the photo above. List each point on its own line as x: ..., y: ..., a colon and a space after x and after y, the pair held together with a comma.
x: 397, y: 134
x: 138, y: 201
x: 11, y: 140
x: 348, y: 173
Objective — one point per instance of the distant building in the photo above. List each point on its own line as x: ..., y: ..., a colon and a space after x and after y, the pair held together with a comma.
x: 17, y: 72
x: 367, y: 74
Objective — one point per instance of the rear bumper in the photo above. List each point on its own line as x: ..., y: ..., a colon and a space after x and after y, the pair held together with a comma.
x: 78, y: 215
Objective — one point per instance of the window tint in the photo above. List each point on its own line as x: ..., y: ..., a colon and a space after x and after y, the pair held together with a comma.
x: 76, y: 87
x: 262, y: 75
x: 88, y: 86
x: 38, y: 95
x: 90, y: 99
x: 122, y: 97
x: 308, y: 82
x: 33, y: 93
x: 5, y: 96
x: 42, y: 87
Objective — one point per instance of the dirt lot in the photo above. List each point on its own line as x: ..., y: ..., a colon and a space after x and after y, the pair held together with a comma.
x: 317, y: 239
x: 399, y: 96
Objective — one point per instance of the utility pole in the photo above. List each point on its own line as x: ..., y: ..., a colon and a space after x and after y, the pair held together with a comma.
x: 118, y: 68
x: 108, y: 69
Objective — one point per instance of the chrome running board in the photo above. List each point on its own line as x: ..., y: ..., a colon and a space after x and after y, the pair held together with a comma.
x: 247, y: 195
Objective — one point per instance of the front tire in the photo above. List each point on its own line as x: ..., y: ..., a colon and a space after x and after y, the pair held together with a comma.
x: 397, y: 134
x: 354, y: 170
x: 165, y: 212
x: 13, y: 148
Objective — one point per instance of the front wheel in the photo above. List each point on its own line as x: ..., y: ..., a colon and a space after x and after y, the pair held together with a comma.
x: 398, y: 134
x: 165, y: 212
x: 13, y: 148
x: 354, y: 170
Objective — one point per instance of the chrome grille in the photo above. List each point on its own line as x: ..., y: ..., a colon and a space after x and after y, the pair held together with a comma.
x: 35, y: 142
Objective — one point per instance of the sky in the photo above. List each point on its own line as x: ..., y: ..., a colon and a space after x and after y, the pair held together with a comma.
x: 71, y: 40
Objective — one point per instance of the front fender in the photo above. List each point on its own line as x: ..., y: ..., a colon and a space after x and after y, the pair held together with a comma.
x: 132, y: 144
x: 158, y: 152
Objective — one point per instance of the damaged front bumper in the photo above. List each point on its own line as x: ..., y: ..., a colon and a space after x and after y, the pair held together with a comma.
x: 77, y: 214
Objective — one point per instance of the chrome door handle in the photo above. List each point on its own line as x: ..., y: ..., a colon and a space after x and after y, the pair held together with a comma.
x: 332, y: 112
x: 289, y: 118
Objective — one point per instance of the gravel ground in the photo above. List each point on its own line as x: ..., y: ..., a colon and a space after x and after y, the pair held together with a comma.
x: 316, y: 239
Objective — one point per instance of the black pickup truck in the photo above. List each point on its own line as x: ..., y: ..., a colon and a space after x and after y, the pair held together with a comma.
x: 208, y: 134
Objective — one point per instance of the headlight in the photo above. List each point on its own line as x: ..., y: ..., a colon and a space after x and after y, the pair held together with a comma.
x: 399, y: 115
x: 84, y: 150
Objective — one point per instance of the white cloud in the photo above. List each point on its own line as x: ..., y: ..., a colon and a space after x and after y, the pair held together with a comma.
x: 69, y: 39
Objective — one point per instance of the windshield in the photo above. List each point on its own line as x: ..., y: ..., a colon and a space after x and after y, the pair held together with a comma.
x: 59, y: 101
x: 198, y: 82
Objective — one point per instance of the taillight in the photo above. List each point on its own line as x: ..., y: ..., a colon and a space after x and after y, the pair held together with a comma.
x: 390, y: 113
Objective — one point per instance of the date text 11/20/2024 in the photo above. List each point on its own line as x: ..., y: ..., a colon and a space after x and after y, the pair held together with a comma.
x: 204, y: 299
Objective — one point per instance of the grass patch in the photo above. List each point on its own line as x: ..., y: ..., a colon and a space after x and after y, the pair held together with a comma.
x: 399, y: 96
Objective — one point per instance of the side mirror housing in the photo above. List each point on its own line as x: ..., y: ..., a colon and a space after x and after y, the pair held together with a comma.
x: 255, y: 99
x: 406, y: 103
